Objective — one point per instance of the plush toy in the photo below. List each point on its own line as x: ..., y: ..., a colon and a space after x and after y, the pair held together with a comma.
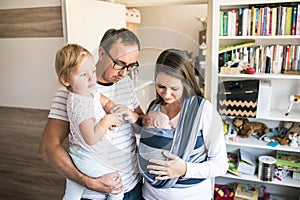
x: 293, y: 136
x: 289, y: 128
x: 246, y: 128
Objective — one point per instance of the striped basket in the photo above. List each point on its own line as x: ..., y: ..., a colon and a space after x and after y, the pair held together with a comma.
x: 238, y: 98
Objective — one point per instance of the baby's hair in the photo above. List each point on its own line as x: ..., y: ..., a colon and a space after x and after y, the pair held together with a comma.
x: 67, y: 58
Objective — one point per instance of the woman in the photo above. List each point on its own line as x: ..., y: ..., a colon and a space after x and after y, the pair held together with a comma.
x: 195, y: 152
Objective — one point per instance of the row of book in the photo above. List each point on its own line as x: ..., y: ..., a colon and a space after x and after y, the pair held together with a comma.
x: 272, y: 59
x: 261, y: 21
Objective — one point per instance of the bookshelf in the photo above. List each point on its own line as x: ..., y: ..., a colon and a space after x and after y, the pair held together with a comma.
x: 283, y: 85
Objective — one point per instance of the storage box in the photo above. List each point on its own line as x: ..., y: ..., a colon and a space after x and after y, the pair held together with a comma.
x: 238, y: 98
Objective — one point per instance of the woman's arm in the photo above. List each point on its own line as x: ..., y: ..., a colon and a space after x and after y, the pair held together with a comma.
x: 213, y: 134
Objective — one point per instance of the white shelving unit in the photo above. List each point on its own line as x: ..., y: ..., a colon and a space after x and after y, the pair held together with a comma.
x: 282, y: 87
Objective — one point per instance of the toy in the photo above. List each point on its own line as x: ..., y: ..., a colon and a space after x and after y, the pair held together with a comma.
x: 293, y: 136
x: 282, y: 136
x: 293, y: 99
x: 231, y: 131
x: 294, y: 128
x: 246, y: 128
x: 285, y: 133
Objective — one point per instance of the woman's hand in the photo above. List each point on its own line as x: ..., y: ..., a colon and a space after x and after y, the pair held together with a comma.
x: 174, y: 167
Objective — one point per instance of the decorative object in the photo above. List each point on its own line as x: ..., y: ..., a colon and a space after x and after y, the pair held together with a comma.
x: 246, y: 128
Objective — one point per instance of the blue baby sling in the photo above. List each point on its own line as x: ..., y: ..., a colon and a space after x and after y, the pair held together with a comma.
x: 182, y: 142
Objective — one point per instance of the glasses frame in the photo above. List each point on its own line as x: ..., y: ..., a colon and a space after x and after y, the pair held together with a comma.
x: 129, y: 67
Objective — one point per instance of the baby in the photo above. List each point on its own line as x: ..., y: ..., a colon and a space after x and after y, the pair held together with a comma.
x: 156, y: 119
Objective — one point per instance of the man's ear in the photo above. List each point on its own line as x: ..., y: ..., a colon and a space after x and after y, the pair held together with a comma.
x: 63, y: 79
x: 101, y: 53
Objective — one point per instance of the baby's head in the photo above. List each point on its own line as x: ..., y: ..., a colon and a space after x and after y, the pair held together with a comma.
x: 156, y: 119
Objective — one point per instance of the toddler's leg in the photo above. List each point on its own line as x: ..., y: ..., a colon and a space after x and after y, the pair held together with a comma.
x: 73, y: 191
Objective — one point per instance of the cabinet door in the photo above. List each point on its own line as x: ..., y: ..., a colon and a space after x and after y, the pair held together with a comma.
x: 85, y: 21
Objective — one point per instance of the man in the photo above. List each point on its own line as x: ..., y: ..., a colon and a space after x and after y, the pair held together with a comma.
x: 118, y: 53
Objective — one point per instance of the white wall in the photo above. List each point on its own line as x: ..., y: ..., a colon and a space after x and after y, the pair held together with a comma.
x: 27, y: 77
x: 165, y: 27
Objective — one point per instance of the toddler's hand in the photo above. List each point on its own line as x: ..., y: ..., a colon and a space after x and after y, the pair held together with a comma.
x: 126, y: 113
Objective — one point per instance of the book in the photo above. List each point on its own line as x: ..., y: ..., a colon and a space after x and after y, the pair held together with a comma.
x: 221, y: 23
x: 279, y: 19
x: 274, y: 21
x: 237, y: 46
x: 288, y: 21
x: 240, y: 21
x: 232, y: 164
x: 225, y: 24
x: 294, y: 20
x: 298, y: 20
x: 246, y: 162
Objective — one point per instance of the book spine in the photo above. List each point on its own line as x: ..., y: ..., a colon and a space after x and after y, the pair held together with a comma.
x: 279, y: 18
x: 245, y: 19
x: 283, y: 20
x: 264, y: 21
x: 225, y: 24
x: 294, y: 20
x: 235, y: 21
x: 221, y: 23
x: 259, y: 22
x: 298, y: 20
x: 288, y: 21
x: 254, y: 14
x: 274, y: 21
x: 240, y: 21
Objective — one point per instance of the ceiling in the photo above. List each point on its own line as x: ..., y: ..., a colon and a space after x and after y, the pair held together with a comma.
x: 141, y: 3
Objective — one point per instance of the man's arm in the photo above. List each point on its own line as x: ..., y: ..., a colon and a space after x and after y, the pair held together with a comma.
x: 54, y: 154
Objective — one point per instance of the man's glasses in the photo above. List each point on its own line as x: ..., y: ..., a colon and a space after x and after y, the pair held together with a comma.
x: 120, y: 65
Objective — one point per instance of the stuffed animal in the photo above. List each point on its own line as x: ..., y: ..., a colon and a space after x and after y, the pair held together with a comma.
x: 289, y: 127
x: 246, y: 128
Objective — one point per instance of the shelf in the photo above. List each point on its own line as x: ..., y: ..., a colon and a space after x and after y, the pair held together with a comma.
x: 261, y: 76
x: 279, y: 115
x: 276, y: 37
x: 288, y: 181
x: 230, y: 3
x: 252, y: 142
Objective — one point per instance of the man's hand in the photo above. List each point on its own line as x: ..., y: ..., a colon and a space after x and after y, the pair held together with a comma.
x: 109, y: 183
x: 126, y: 113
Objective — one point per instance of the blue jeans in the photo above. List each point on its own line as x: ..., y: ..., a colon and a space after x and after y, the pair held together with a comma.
x: 134, y: 194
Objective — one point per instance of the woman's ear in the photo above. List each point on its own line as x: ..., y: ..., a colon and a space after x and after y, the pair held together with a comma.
x: 63, y: 79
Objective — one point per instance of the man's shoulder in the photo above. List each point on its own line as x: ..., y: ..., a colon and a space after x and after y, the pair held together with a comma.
x: 126, y: 79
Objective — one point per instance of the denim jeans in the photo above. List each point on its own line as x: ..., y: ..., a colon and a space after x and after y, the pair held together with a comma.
x: 134, y: 194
